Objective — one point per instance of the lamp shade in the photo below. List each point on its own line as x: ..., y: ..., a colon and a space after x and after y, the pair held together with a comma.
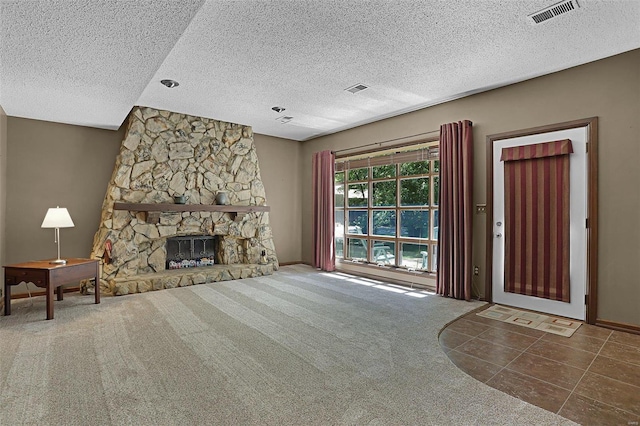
x: 57, y: 217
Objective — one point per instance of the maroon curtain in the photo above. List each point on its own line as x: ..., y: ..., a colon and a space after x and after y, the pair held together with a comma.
x: 323, y: 215
x: 454, y: 273
x: 536, y: 201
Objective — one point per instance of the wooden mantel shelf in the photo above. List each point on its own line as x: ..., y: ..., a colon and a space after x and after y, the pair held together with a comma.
x: 153, y: 210
x: 168, y: 207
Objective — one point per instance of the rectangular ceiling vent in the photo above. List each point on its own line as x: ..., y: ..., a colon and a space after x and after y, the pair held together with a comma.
x: 553, y: 11
x: 284, y: 119
x: 357, y: 88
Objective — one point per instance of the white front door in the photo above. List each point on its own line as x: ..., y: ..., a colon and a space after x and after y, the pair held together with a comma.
x: 577, y: 233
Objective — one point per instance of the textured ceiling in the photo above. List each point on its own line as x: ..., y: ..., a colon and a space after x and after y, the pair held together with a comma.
x: 89, y: 62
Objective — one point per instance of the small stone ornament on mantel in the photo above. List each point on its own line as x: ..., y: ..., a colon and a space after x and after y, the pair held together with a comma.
x: 222, y: 198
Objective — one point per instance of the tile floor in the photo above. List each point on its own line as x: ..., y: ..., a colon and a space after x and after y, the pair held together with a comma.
x: 592, y: 377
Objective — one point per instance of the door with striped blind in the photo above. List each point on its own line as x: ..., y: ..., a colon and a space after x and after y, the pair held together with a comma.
x: 541, y: 263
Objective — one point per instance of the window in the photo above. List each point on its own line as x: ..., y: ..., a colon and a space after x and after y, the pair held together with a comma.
x: 386, y: 207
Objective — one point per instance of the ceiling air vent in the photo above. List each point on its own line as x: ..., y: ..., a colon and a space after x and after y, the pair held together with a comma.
x: 357, y: 88
x: 553, y: 11
x: 284, y: 119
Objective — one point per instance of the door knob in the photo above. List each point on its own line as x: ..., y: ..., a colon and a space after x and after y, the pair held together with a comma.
x: 498, y: 235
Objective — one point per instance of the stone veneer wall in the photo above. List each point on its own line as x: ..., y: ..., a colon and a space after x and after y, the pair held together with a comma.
x: 166, y: 154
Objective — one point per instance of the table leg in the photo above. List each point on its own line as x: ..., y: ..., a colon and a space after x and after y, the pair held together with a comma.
x: 49, y: 301
x: 7, y: 299
x: 97, y: 283
x: 59, y: 292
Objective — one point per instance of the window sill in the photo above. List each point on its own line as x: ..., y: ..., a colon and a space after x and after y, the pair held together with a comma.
x: 412, y: 279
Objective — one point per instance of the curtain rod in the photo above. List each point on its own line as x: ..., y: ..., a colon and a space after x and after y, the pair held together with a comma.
x: 387, y: 141
x: 390, y: 140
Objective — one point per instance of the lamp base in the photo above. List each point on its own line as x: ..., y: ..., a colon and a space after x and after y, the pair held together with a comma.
x: 58, y: 262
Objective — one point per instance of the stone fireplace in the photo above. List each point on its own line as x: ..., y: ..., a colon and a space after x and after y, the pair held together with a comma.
x: 166, y: 154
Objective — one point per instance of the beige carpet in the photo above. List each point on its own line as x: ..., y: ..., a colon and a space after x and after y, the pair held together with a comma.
x: 296, y: 348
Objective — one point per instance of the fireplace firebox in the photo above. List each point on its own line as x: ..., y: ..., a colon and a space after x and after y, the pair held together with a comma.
x: 190, y: 251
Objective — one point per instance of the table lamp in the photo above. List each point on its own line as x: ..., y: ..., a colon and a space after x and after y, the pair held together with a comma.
x: 57, y: 218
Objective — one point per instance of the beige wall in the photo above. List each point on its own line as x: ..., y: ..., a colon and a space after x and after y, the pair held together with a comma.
x: 609, y: 89
x: 51, y: 165
x: 3, y: 195
x: 279, y: 168
x: 58, y: 164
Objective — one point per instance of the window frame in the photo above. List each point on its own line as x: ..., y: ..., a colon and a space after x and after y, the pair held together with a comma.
x: 430, y: 153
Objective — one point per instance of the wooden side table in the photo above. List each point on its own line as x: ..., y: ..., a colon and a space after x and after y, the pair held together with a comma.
x: 50, y: 276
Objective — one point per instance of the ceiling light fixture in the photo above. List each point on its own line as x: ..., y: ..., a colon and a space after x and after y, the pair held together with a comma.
x: 278, y: 109
x: 170, y: 83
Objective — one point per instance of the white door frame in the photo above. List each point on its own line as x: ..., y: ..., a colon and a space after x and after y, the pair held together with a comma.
x: 590, y: 257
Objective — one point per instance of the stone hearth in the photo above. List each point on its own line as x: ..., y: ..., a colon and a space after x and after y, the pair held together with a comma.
x: 166, y: 154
